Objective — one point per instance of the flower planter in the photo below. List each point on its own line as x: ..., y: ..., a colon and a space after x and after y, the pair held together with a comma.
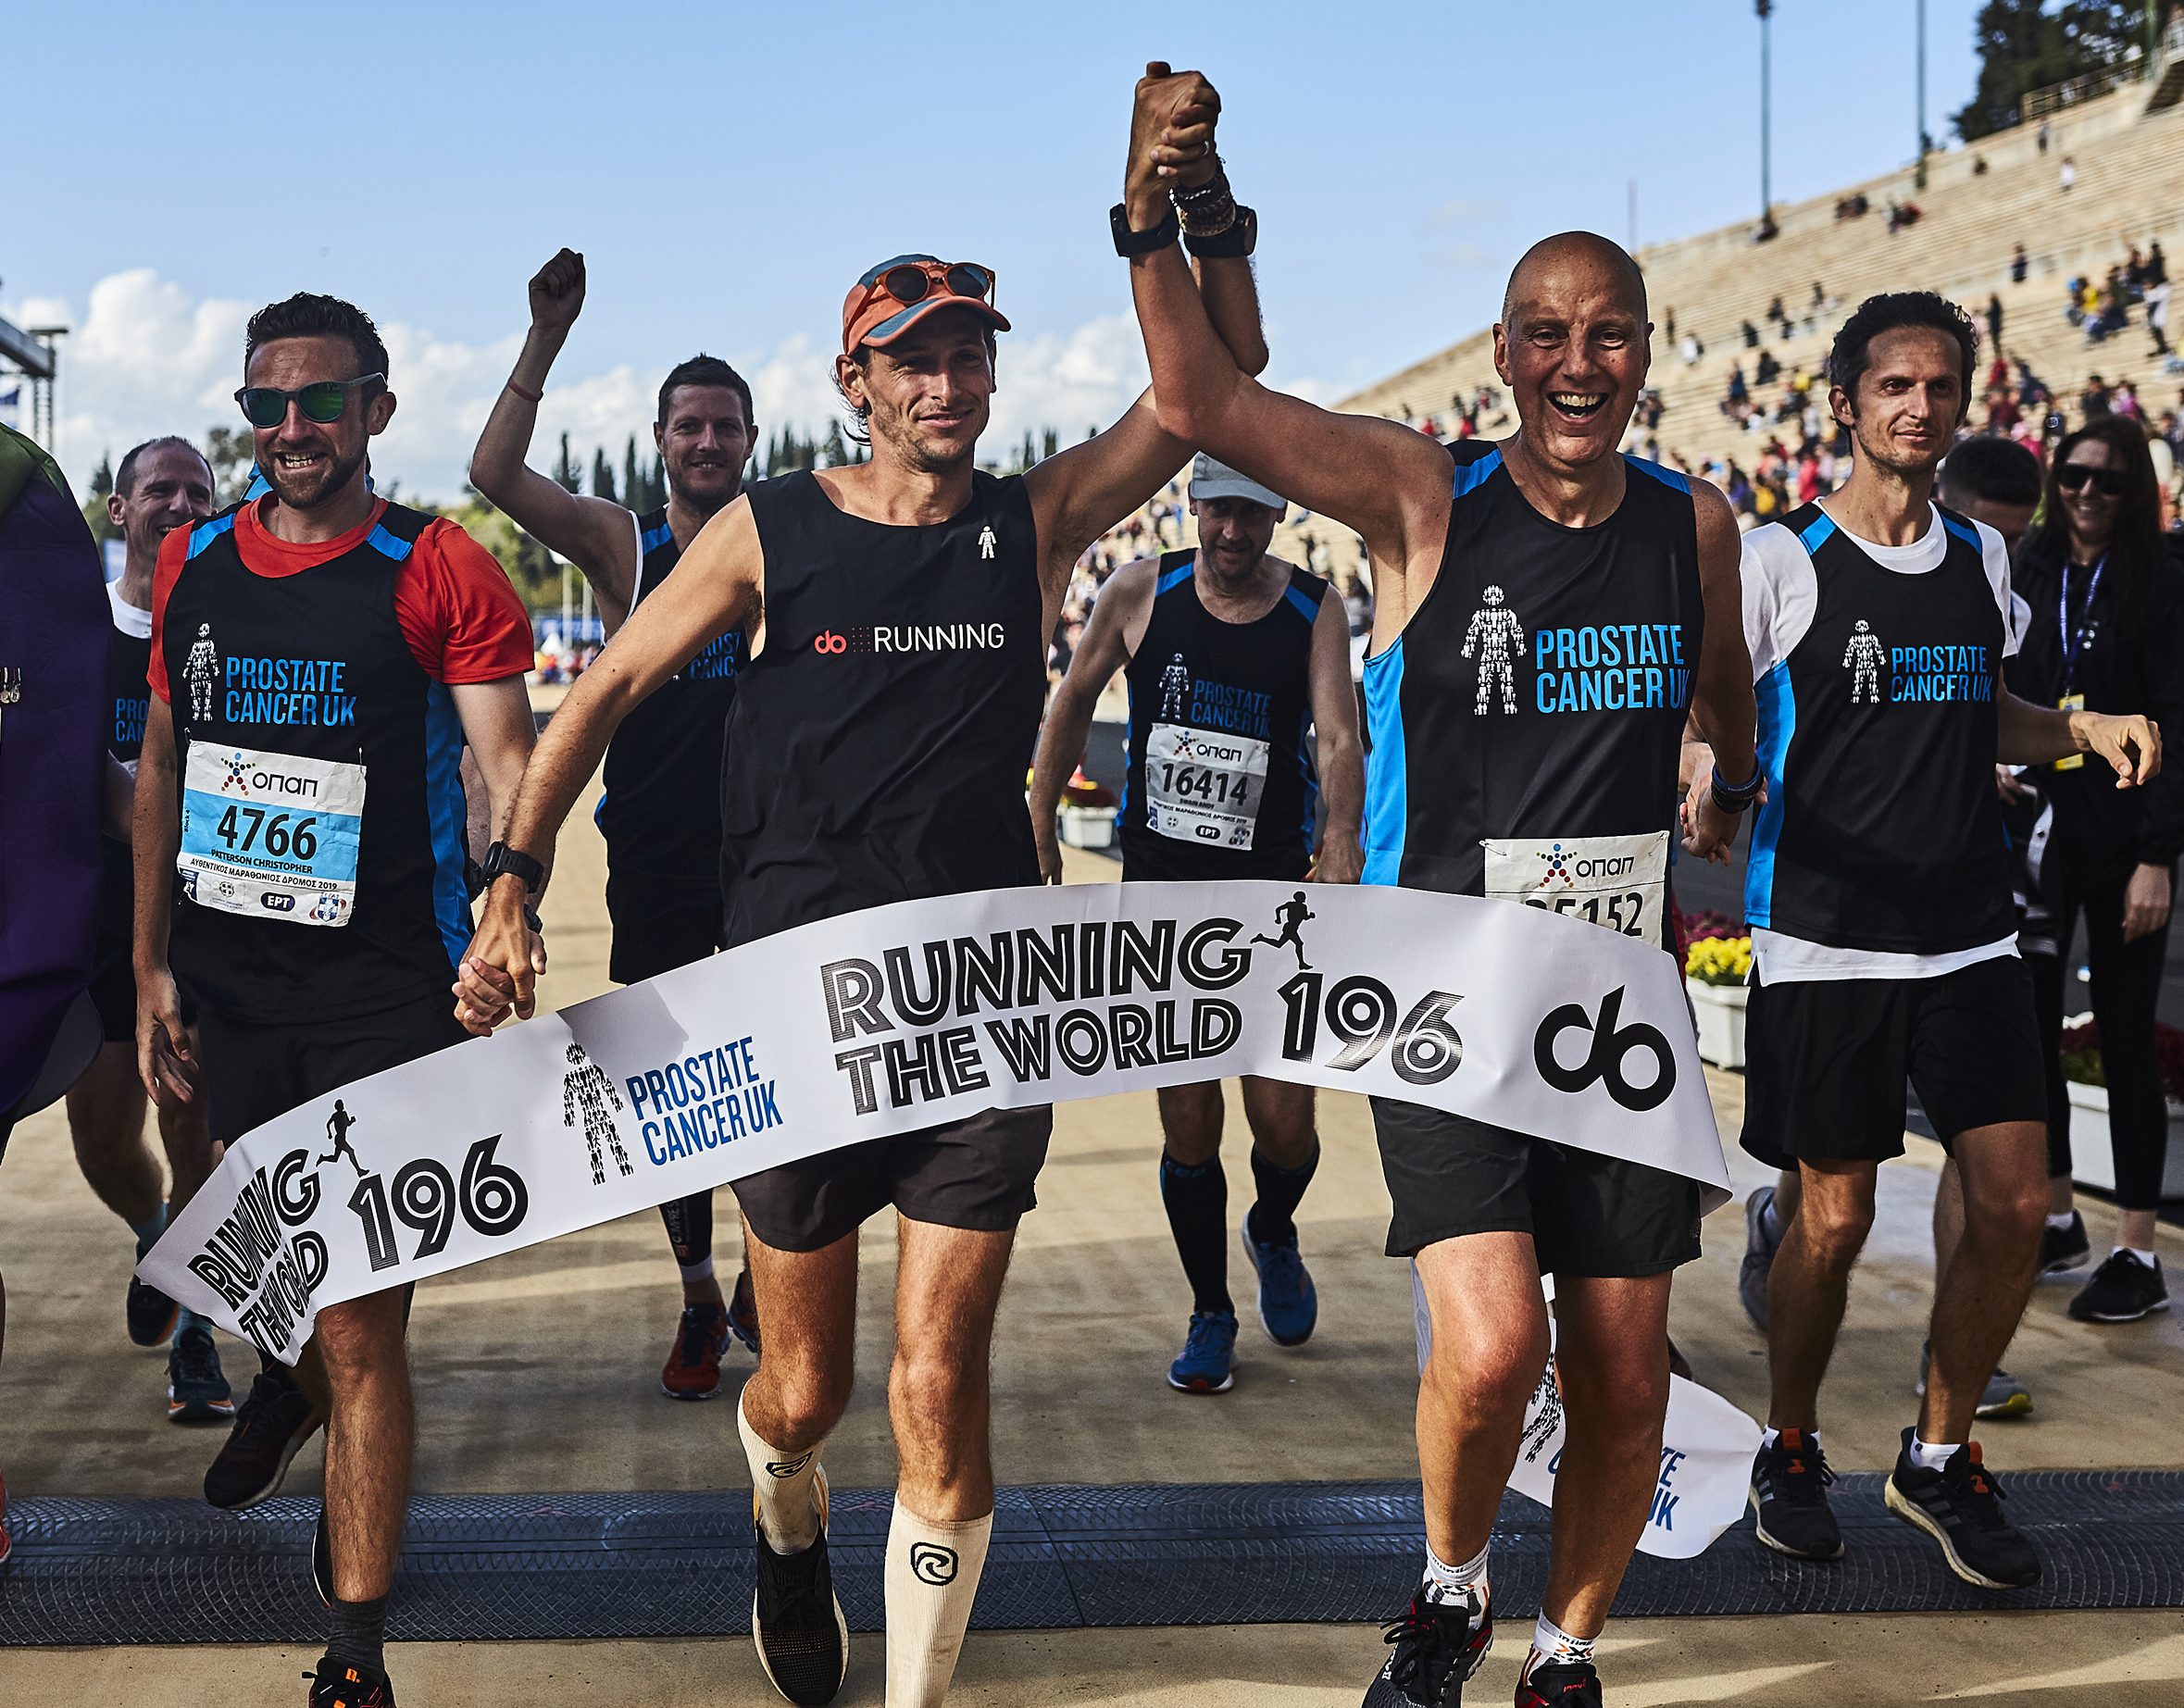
x: 1719, y: 1009
x: 2092, y: 1159
x: 1087, y: 827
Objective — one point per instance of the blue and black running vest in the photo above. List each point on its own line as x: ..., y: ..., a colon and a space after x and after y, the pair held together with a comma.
x: 1538, y: 691
x: 877, y: 747
x: 1882, y: 829
x: 1219, y: 781
x: 660, y: 813
x: 315, y: 665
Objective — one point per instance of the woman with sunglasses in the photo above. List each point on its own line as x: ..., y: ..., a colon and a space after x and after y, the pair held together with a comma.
x: 2107, y: 631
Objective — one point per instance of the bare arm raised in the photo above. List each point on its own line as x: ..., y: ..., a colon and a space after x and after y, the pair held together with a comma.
x: 1340, y: 855
x: 717, y: 586
x: 596, y: 534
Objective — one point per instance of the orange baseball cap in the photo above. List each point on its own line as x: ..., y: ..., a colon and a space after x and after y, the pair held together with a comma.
x: 893, y: 296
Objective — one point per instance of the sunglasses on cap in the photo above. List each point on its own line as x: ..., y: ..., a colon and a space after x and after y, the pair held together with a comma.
x: 2113, y: 482
x: 913, y: 281
x: 322, y: 401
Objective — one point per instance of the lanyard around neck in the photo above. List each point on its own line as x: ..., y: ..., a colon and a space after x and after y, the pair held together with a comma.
x: 2074, y: 636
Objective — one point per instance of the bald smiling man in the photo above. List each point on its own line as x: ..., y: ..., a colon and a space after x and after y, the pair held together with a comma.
x: 1547, y: 612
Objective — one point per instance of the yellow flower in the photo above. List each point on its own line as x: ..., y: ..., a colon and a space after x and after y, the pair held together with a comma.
x: 1719, y: 960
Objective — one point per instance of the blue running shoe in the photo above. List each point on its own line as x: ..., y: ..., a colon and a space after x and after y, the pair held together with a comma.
x: 152, y: 1315
x: 1289, y: 1304
x: 1208, y: 1360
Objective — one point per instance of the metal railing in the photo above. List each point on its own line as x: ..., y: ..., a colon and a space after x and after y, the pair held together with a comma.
x: 2056, y: 97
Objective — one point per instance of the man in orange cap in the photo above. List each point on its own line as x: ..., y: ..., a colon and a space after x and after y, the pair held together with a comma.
x: 899, y: 610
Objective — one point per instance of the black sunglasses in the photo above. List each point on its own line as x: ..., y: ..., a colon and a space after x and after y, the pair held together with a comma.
x: 322, y: 401
x: 2113, y: 482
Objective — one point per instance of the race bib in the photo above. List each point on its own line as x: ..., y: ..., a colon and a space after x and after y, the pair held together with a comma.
x: 1618, y: 881
x: 270, y: 835
x: 1203, y: 786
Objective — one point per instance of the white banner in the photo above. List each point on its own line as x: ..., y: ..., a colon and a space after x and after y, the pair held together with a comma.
x: 1707, y: 1450
x: 906, y: 1017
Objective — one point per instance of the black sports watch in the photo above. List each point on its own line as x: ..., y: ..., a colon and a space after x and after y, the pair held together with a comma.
x: 501, y: 861
x: 1130, y: 243
x: 1239, y: 240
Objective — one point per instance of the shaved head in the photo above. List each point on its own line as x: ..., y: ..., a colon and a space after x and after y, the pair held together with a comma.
x: 1568, y: 253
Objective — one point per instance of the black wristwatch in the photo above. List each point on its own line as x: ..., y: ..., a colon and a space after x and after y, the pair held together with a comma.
x: 501, y: 861
x: 1239, y: 240
x: 1130, y: 243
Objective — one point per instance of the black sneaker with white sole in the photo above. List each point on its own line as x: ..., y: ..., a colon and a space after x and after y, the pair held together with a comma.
x: 796, y: 1622
x: 1433, y: 1648
x: 2122, y: 1290
x: 1789, y: 1498
x: 2063, y: 1249
x: 1960, y: 1507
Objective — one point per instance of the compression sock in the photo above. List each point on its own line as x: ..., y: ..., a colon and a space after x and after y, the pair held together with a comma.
x: 1930, y: 1456
x: 933, y: 1567
x: 689, y: 1230
x: 1197, y: 1201
x: 1462, y: 1586
x: 360, y: 1634
x: 1553, y: 1646
x: 1273, y: 1218
x: 147, y: 1231
x: 190, y: 1319
x: 782, y: 1482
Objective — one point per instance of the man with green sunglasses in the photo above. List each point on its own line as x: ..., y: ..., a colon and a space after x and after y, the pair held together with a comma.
x: 305, y: 797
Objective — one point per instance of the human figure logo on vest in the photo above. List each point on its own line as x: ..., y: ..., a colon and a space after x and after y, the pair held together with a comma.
x: 1498, y: 638
x: 1862, y: 659
x: 201, y: 670
x: 1175, y: 688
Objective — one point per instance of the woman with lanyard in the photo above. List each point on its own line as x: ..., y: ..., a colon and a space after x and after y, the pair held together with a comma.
x: 2107, y: 631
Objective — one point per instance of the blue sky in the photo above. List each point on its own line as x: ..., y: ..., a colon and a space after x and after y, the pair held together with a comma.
x: 727, y: 170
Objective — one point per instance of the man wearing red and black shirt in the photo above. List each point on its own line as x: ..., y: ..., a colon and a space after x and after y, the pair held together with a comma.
x: 320, y: 659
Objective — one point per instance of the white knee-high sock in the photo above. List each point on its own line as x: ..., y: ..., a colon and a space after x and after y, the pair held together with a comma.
x: 787, y: 1488
x: 933, y: 1567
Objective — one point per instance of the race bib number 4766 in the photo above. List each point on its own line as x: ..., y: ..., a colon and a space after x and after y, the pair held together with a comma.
x: 272, y: 835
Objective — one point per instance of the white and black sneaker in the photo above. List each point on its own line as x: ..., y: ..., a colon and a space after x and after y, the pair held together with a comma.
x: 796, y: 1622
x: 2063, y: 1249
x: 1433, y: 1648
x: 2122, y: 1290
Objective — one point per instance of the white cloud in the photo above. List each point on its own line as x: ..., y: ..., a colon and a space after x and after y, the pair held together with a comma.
x: 146, y: 358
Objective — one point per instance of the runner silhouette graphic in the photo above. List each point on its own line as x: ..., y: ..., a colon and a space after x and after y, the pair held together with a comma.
x: 1291, y: 917
x: 337, y: 1129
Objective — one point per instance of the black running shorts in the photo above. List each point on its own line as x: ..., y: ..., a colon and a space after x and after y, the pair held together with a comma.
x: 256, y: 1072
x: 1826, y: 1060
x: 659, y: 925
x: 1588, y: 1215
x: 974, y: 1173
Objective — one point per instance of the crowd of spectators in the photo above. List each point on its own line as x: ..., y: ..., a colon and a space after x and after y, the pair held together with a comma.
x: 2103, y: 308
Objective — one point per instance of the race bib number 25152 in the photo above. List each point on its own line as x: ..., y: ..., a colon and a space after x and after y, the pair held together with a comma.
x: 1616, y: 882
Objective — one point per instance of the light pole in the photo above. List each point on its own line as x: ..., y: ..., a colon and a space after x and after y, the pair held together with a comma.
x: 1919, y: 178
x: 1765, y: 9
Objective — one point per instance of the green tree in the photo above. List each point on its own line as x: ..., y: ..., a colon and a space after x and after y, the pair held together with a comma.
x: 2023, y: 45
x: 232, y: 452
x: 655, y: 489
x: 602, y: 474
x: 1050, y: 441
x: 94, y: 506
x: 835, y: 452
x: 565, y: 471
x: 633, y: 493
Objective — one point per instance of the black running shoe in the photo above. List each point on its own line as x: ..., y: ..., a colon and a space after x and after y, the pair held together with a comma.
x: 796, y: 1622
x: 1960, y: 1506
x: 151, y: 1314
x: 2123, y: 1289
x: 338, y: 1685
x: 2064, y: 1247
x: 1789, y: 1498
x: 1432, y: 1649
x: 1561, y: 1684
x: 197, y: 1390
x: 271, y: 1425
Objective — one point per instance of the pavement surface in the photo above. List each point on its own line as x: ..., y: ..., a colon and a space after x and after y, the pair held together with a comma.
x: 540, y: 1371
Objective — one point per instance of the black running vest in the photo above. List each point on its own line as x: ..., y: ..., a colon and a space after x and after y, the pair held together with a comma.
x: 877, y: 747
x: 315, y: 665
x: 1882, y: 829
x: 659, y: 814
x: 1540, y: 690
x: 129, y: 657
x: 1219, y: 782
